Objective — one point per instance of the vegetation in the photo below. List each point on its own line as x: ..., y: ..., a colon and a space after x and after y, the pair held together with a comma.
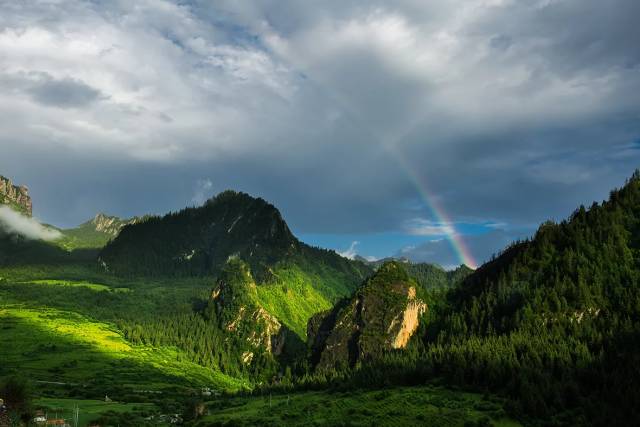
x: 552, y: 322
x: 220, y: 296
x: 425, y: 406
x: 199, y: 241
x: 98, y: 411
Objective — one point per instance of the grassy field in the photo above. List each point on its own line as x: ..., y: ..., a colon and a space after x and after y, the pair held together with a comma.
x: 76, y: 283
x: 424, y: 406
x: 59, y: 346
x: 90, y: 410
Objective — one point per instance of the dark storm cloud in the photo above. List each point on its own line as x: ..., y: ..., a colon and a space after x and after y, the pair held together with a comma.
x: 64, y: 93
x: 505, y: 111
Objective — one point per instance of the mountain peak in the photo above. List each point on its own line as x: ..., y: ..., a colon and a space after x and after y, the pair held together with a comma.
x: 383, y: 314
x: 199, y: 240
x: 15, y: 196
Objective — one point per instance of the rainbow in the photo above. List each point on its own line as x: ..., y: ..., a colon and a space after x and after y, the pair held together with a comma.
x: 431, y: 201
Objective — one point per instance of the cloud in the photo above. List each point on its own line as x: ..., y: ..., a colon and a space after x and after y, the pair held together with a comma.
x: 64, y: 93
x: 13, y: 222
x: 506, y: 111
x: 351, y: 252
x: 425, y: 227
x: 203, y: 191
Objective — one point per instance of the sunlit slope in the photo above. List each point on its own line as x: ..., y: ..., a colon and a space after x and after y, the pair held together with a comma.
x: 61, y: 346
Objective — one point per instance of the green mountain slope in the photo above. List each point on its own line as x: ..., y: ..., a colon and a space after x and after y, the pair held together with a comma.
x: 431, y: 277
x: 198, y: 241
x: 553, y: 322
x: 295, y: 280
x: 382, y: 315
x: 95, y: 233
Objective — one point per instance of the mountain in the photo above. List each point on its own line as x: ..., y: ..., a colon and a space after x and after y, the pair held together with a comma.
x: 198, y: 241
x: 252, y: 332
x: 553, y: 322
x: 379, y: 262
x: 433, y: 277
x: 17, y: 197
x: 294, y: 280
x: 429, y: 276
x: 382, y: 315
x: 96, y: 232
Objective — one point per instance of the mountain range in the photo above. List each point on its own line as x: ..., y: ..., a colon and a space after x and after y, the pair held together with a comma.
x: 551, y: 325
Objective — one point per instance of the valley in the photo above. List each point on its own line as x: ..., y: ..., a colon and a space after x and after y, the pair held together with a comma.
x: 219, y: 315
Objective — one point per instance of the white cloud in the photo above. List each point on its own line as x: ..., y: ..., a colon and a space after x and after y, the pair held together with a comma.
x: 469, y: 91
x: 425, y: 227
x: 351, y: 252
x: 13, y: 222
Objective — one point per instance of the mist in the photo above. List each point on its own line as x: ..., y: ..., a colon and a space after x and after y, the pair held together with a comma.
x: 13, y: 222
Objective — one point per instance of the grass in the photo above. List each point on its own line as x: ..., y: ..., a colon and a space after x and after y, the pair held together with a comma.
x: 292, y: 298
x: 52, y: 345
x: 74, y: 283
x: 425, y: 406
x: 89, y: 410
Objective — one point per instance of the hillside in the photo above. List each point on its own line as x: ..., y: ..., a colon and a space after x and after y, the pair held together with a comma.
x: 429, y: 276
x: 382, y: 315
x: 95, y: 233
x: 295, y: 280
x: 553, y: 322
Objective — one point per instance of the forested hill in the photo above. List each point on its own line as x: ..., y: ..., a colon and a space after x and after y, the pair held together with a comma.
x: 198, y: 241
x: 554, y: 321
x: 584, y: 267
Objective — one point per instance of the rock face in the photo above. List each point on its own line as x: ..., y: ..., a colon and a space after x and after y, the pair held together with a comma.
x: 110, y: 225
x: 383, y: 315
x: 234, y: 302
x: 15, y: 196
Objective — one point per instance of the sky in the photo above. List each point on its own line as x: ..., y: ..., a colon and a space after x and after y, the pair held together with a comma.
x: 439, y: 131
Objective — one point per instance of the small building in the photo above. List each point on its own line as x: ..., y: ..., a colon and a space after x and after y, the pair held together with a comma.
x: 58, y: 422
x: 39, y: 417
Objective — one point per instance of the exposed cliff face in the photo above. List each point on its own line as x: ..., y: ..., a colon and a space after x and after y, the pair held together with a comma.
x: 234, y: 300
x: 382, y: 315
x: 15, y: 196
x: 110, y: 225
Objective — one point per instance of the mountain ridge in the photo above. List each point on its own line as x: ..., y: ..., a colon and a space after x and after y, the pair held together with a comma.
x: 17, y: 197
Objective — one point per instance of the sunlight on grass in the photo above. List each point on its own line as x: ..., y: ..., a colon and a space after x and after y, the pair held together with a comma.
x: 47, y: 341
x: 292, y: 299
x: 79, y: 284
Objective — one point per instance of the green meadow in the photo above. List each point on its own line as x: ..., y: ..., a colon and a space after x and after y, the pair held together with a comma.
x: 57, y: 327
x: 61, y: 346
x: 90, y: 410
x: 424, y: 406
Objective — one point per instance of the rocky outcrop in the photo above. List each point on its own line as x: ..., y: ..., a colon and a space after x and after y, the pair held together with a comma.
x: 15, y: 196
x: 234, y: 300
x: 381, y: 316
x: 111, y: 225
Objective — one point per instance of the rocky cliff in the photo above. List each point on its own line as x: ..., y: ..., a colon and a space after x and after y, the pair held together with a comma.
x: 15, y: 196
x: 234, y: 300
x: 110, y: 225
x: 382, y: 315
